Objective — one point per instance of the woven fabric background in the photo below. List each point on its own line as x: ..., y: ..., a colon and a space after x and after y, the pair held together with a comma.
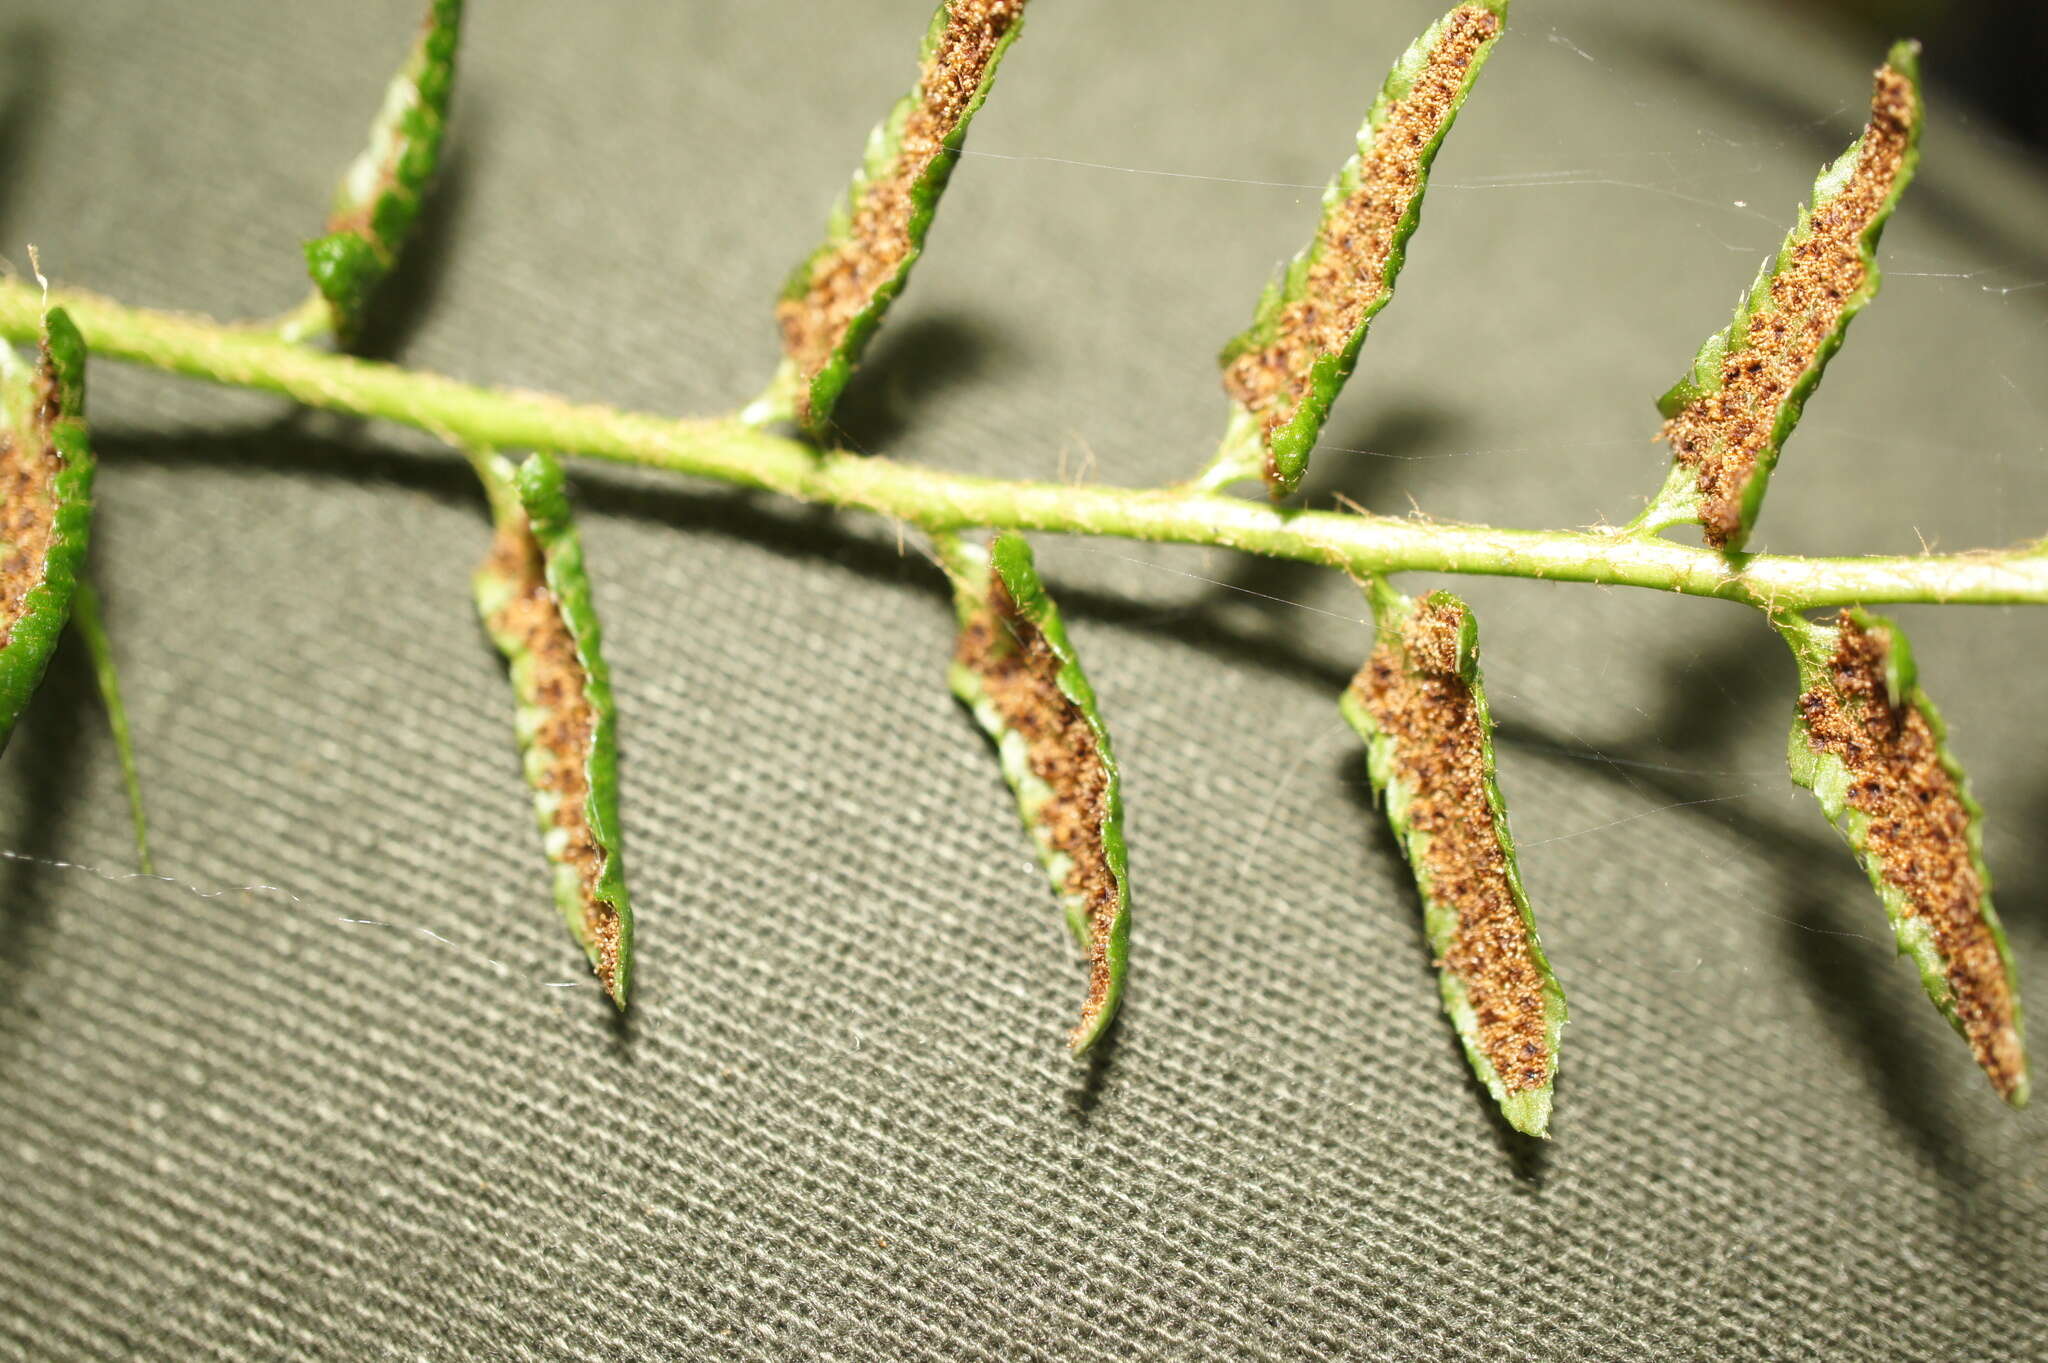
x: 315, y: 1097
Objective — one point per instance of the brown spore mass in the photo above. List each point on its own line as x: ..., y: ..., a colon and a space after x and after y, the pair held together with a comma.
x: 843, y: 280
x: 1412, y: 689
x: 1348, y: 262
x: 1722, y: 435
x: 534, y: 618
x: 1919, y: 833
x: 1020, y: 672
x: 29, y: 464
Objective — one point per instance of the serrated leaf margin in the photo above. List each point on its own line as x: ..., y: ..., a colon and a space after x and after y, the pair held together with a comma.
x: 379, y: 196
x: 1010, y: 558
x: 47, y: 606
x: 1679, y: 501
x: 1284, y: 453
x: 884, y: 145
x: 537, y: 491
x: 1813, y: 646
x: 1527, y: 1110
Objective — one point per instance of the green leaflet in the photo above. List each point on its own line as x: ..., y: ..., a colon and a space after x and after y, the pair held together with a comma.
x: 85, y: 618
x: 535, y: 600
x: 1421, y: 708
x: 1872, y: 748
x: 46, y: 474
x: 836, y: 298
x: 379, y: 196
x: 1728, y: 419
x: 46, y: 469
x: 1017, y: 671
x: 1283, y: 372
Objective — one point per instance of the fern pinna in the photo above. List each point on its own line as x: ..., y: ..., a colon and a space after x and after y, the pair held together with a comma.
x: 1866, y: 738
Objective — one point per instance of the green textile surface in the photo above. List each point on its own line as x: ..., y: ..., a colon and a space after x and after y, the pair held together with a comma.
x: 316, y: 1099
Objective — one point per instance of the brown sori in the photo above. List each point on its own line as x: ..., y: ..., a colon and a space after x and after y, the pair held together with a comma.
x: 1348, y: 262
x: 1019, y: 673
x: 1417, y: 697
x: 29, y: 465
x: 884, y: 230
x: 1918, y: 832
x: 528, y: 625
x: 1722, y: 435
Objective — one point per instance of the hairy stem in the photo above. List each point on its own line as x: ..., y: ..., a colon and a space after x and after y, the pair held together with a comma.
x: 732, y: 451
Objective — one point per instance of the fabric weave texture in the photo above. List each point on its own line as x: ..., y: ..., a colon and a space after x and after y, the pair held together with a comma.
x: 340, y: 1087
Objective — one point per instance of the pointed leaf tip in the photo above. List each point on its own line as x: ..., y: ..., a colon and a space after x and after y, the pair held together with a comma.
x: 534, y: 596
x: 836, y: 299
x: 1869, y: 744
x: 1729, y: 418
x: 1421, y: 708
x: 1017, y: 671
x: 1284, y: 373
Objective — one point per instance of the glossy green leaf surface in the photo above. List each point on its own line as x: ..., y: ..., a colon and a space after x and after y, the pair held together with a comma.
x: 46, y: 473
x: 1728, y: 419
x: 379, y: 196
x: 534, y: 596
x: 1421, y: 708
x: 1017, y: 671
x: 836, y: 299
x: 1348, y: 270
x: 1870, y: 745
